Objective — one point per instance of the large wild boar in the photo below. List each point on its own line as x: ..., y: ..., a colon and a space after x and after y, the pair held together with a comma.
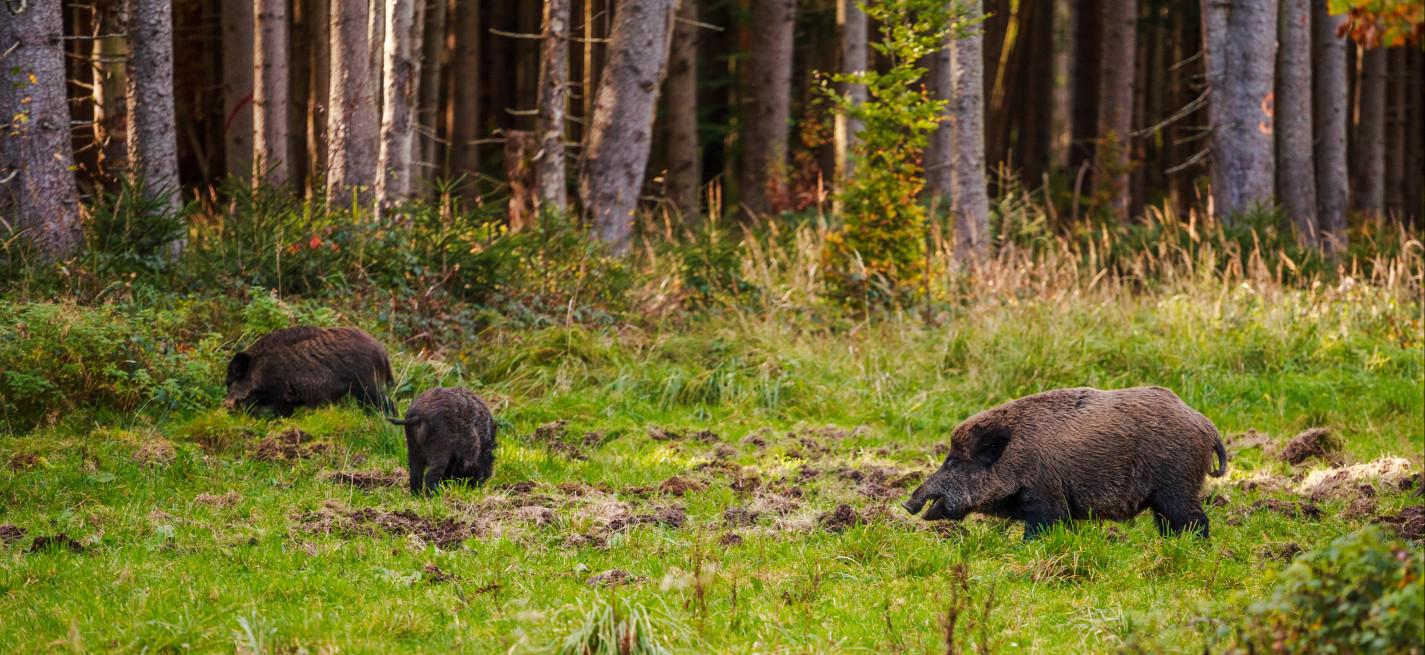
x: 450, y: 434
x: 1079, y: 453
x: 309, y: 366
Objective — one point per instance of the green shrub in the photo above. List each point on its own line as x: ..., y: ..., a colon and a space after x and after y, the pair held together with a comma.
x: 1363, y: 593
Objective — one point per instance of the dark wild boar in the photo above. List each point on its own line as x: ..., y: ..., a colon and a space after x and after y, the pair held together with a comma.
x: 1079, y: 453
x: 309, y: 366
x: 450, y: 434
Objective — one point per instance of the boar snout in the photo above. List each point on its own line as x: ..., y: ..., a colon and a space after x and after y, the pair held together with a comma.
x: 913, y: 506
x: 230, y: 404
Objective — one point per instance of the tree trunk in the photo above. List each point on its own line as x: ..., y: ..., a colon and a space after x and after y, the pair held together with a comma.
x: 237, y: 86
x: 1088, y: 48
x: 612, y: 172
x: 852, y: 23
x: 37, y: 189
x: 269, y: 96
x: 318, y: 88
x: 376, y: 40
x: 1415, y: 143
x: 299, y: 83
x: 153, y: 144
x: 520, y: 174
x: 681, y: 92
x: 465, y: 126
x: 769, y: 82
x: 1060, y: 121
x: 1398, y: 73
x: 1296, y: 172
x: 351, y: 113
x: 398, y: 101
x: 1329, y: 115
x: 428, y: 115
x: 971, y: 205
x: 1115, y: 107
x: 939, y: 159
x: 553, y: 101
x: 1242, y: 154
x: 1370, y: 165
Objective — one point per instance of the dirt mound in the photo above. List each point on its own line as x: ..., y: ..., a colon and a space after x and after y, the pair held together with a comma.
x: 1285, y: 552
x: 23, y: 461
x: 613, y: 578
x: 1345, y: 480
x: 670, y: 516
x: 677, y: 486
x: 366, y: 479
x: 156, y: 452
x: 434, y: 575
x: 336, y: 519
x: 1296, y: 510
x: 10, y: 534
x: 552, y: 436
x: 60, y: 541
x: 551, y: 430
x: 1409, y: 523
x: 520, y: 488
x: 225, y: 500
x: 840, y: 519
x: 290, y: 444
x: 739, y: 516
x: 1363, y: 507
x: 878, y: 482
x: 729, y: 539
x: 664, y: 434
x: 1313, y: 443
x: 536, y: 514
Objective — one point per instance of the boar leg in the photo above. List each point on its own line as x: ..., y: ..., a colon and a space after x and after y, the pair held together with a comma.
x: 1174, y: 515
x: 1040, y: 514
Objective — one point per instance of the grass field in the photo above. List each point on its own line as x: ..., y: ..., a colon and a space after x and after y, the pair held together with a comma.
x: 734, y: 478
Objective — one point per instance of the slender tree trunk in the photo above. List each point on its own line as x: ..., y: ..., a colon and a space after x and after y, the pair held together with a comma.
x: 398, y: 100
x: 1242, y: 155
x: 299, y: 83
x: 1329, y: 117
x: 769, y: 81
x: 428, y: 115
x: 376, y: 40
x: 465, y: 126
x: 351, y: 114
x: 939, y: 159
x: 153, y: 144
x: 1415, y: 143
x: 1398, y: 74
x: 1088, y: 49
x: 851, y: 21
x: 971, y: 196
x: 520, y: 173
x: 613, y: 168
x: 1296, y: 171
x: 684, y: 176
x: 1370, y: 167
x: 1115, y: 107
x: 237, y: 86
x: 37, y: 190
x: 269, y: 97
x: 1060, y: 121
x: 319, y: 86
x: 553, y: 101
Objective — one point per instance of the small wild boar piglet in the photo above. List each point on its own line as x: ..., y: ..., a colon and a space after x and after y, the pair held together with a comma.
x: 1079, y: 453
x: 449, y: 434
x: 309, y: 366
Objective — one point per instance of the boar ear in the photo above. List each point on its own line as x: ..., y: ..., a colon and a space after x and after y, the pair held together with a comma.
x: 990, y: 444
x: 239, y: 367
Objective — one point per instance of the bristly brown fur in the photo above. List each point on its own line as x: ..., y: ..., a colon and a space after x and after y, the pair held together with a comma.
x: 1079, y: 453
x: 309, y: 366
x: 450, y: 434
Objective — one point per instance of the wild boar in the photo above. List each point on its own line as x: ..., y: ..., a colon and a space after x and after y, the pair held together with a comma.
x: 309, y: 366
x: 1081, y: 453
x: 450, y: 434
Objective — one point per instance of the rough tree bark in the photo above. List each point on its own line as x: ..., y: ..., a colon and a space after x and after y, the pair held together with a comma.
x: 681, y: 92
x: 1061, y: 135
x: 428, y: 115
x: 269, y: 96
x: 37, y: 190
x: 237, y: 86
x: 465, y: 110
x: 971, y: 203
x: 319, y: 86
x: 613, y: 167
x: 553, y: 100
x: 769, y: 85
x: 1114, y: 151
x: 939, y: 149
x: 351, y: 110
x: 1241, y: 108
x: 1329, y: 116
x: 851, y: 22
x: 153, y: 144
x: 1296, y: 172
x: 398, y: 102
x: 1370, y: 152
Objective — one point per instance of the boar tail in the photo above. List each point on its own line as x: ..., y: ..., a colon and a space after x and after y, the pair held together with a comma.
x: 409, y: 420
x: 1221, y: 469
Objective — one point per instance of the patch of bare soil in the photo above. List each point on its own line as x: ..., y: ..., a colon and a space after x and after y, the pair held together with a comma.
x: 729, y: 539
x: 678, y: 486
x: 1219, y: 499
x: 290, y: 444
x: 1249, y: 439
x: 536, y: 514
x: 10, y: 534
x: 657, y: 433
x: 23, y: 461
x: 59, y: 541
x: 1313, y: 443
x: 1285, y: 552
x: 521, y: 487
x: 1409, y: 523
x: 878, y: 482
x: 586, y: 540
x: 154, y: 453
x: 434, y: 575
x: 366, y: 479
x: 669, y: 516
x: 1302, y: 509
x: 746, y: 484
x: 225, y: 500
x: 613, y: 578
x: 336, y: 519
x: 840, y: 519
x: 739, y: 516
x: 1416, y: 482
x: 1363, y: 507
x: 553, y: 436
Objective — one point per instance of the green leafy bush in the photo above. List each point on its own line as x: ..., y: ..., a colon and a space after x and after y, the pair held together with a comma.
x: 1363, y: 593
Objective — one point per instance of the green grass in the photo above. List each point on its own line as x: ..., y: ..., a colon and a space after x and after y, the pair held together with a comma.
x: 165, y: 569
